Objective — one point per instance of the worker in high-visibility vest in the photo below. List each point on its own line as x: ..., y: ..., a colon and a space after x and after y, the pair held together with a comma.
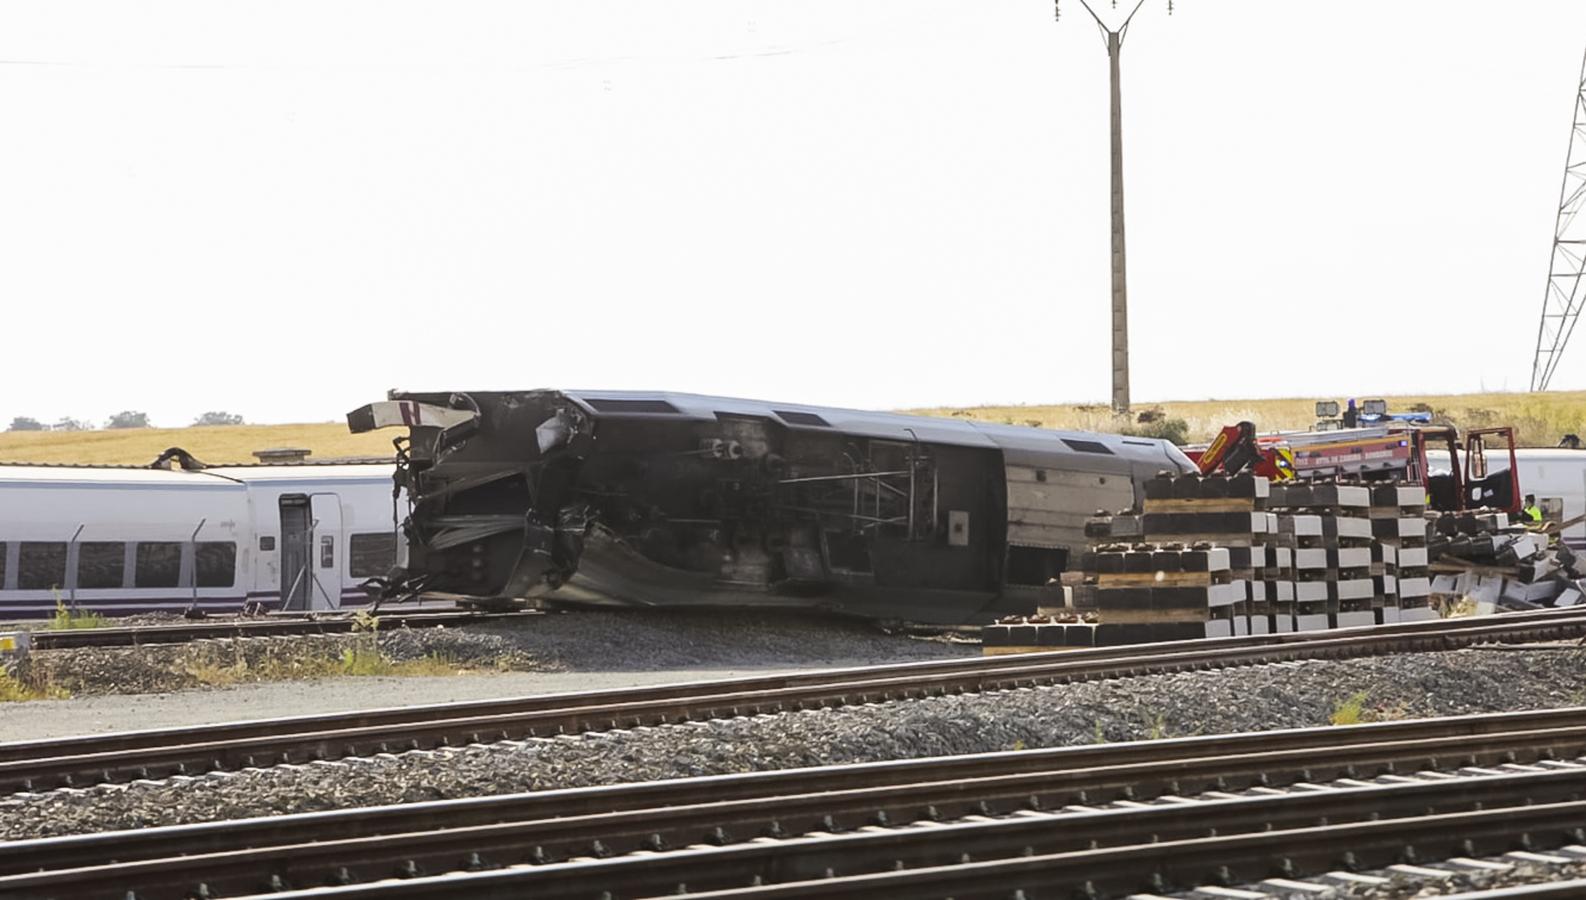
x: 1532, y: 513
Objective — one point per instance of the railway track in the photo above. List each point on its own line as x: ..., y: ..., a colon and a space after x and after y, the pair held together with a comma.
x: 1110, y: 820
x: 87, y: 760
x: 270, y: 627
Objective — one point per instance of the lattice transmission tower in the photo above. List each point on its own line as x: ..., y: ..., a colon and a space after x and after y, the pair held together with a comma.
x: 1562, y: 302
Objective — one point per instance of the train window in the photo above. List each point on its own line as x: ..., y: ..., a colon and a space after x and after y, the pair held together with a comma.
x: 215, y: 563
x: 41, y: 566
x: 3, y: 549
x: 327, y: 552
x: 617, y: 405
x: 157, y: 564
x: 267, y: 542
x: 801, y: 418
x: 101, y: 564
x: 1086, y: 446
x: 371, y: 555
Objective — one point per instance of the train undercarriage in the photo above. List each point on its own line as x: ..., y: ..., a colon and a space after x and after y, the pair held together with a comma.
x: 674, y: 500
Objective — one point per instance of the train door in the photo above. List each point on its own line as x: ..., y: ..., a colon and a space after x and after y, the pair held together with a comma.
x: 326, y: 511
x: 296, y: 553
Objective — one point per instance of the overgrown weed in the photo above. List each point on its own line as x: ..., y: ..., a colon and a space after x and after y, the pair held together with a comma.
x: 73, y: 619
x: 1156, y: 727
x: 1348, y: 711
x: 16, y: 690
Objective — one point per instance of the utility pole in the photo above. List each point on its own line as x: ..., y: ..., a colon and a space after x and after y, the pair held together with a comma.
x: 1120, y: 281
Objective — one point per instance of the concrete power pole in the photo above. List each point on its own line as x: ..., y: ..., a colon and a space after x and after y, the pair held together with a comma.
x: 1120, y: 280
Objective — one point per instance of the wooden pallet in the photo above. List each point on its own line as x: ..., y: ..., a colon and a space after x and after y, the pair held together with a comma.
x: 1160, y: 579
x: 1208, y: 505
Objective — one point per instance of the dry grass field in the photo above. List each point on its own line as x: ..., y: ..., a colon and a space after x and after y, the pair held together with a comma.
x: 212, y: 444
x: 1541, y: 419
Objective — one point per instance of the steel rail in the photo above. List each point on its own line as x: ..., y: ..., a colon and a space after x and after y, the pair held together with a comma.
x: 1426, y: 742
x: 1241, y: 858
x: 1096, y: 852
x: 1575, y: 887
x: 105, y: 758
x: 139, y: 635
x: 349, y: 845
x: 142, y: 635
x: 391, y: 715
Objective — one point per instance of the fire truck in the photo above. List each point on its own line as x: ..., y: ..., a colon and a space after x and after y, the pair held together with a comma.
x: 1455, y: 472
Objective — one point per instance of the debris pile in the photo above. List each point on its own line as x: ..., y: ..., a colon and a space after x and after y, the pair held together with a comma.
x: 1484, y: 557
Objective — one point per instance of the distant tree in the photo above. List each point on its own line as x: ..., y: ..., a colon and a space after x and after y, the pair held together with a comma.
x: 218, y: 418
x: 128, y: 419
x: 1175, y: 431
x: 23, y: 423
x: 70, y: 424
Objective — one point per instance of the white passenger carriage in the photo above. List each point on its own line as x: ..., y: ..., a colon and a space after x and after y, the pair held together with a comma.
x: 123, y: 540
x: 1555, y: 476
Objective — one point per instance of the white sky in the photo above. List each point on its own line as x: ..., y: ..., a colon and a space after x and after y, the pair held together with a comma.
x: 284, y: 208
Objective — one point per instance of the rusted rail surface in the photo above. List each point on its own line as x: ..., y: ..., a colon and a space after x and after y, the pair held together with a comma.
x: 39, y: 765
x: 854, y: 821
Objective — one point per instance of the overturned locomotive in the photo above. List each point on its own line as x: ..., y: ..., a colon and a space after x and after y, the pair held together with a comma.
x: 675, y: 499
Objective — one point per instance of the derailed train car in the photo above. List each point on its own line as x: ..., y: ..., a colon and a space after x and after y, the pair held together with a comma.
x: 677, y: 499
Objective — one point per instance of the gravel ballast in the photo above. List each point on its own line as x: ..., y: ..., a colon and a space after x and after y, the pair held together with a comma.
x: 637, y: 640
x: 1243, y: 699
x: 217, y: 662
x: 1403, y: 887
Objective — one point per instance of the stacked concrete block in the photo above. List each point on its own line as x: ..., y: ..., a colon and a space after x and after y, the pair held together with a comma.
x: 1399, y: 573
x: 1249, y: 572
x: 1279, y: 586
x: 1224, y: 511
x: 1385, y: 581
x: 1301, y: 535
x: 1350, y: 587
x: 1195, y: 562
x: 1326, y: 525
x: 1162, y: 592
x: 1033, y: 634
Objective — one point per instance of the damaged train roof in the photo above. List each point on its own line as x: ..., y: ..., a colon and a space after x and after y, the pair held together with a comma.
x: 1019, y: 444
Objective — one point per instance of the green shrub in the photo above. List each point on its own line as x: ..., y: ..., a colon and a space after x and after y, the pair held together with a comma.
x: 1175, y: 431
x: 1348, y: 710
x: 71, y: 619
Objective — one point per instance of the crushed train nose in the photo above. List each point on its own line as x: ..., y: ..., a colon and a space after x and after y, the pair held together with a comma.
x: 409, y: 413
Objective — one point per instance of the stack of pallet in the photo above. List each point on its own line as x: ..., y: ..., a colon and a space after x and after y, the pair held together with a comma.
x: 1033, y: 634
x: 1160, y: 592
x: 1133, y: 594
x: 1221, y: 511
x: 1195, y: 563
x: 1223, y: 555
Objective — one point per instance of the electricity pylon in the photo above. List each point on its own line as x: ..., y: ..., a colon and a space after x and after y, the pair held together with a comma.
x: 1562, y: 301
